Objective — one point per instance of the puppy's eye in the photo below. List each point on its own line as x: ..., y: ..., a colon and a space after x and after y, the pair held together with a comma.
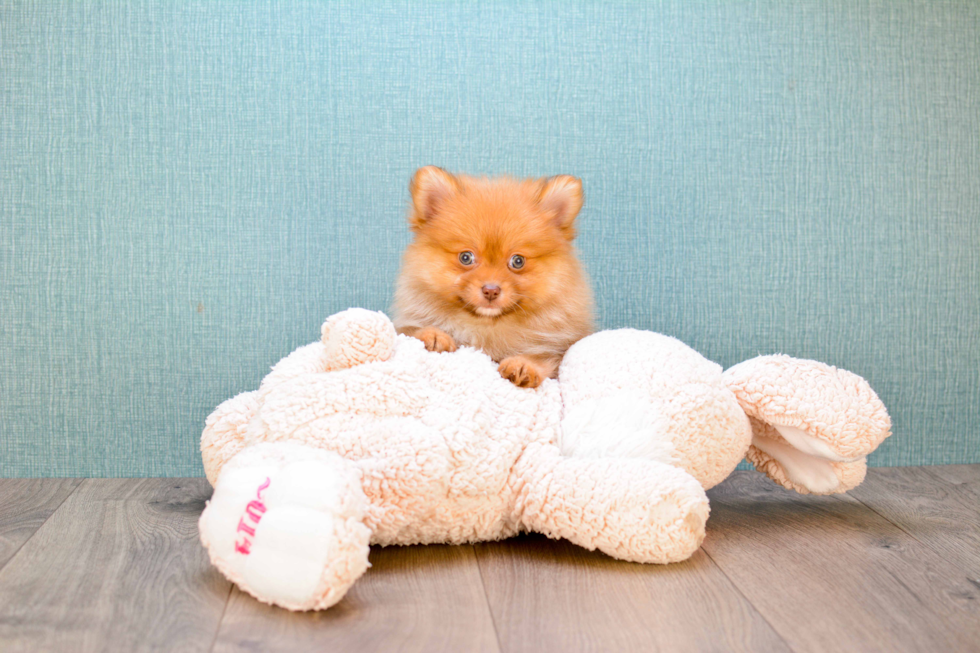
x: 466, y: 258
x: 516, y: 261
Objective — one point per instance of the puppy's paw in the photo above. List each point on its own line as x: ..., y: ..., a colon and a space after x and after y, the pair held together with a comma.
x: 436, y: 339
x: 521, y: 371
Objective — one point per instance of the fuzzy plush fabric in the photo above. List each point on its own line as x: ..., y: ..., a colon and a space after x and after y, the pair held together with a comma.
x: 367, y: 438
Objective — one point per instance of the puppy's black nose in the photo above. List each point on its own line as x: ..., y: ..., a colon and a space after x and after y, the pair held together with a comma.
x: 491, y: 292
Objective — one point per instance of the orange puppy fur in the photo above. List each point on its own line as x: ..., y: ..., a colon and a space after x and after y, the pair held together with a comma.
x: 492, y: 266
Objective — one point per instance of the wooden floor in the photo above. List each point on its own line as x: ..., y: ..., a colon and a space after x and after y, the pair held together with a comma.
x: 893, y: 566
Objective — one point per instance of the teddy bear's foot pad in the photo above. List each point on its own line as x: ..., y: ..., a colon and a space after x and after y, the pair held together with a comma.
x: 288, y: 531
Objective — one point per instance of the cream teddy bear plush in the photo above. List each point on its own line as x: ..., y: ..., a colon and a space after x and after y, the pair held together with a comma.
x: 366, y: 438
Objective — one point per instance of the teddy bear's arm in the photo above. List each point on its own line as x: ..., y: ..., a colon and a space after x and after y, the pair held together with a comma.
x: 629, y: 508
x: 349, y: 338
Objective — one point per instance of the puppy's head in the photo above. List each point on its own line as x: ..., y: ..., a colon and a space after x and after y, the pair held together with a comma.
x: 492, y: 246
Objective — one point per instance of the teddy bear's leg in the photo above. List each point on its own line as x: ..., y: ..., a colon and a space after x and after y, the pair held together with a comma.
x: 406, y: 471
x: 286, y: 524
x: 225, y: 432
x: 632, y: 509
x: 812, y: 424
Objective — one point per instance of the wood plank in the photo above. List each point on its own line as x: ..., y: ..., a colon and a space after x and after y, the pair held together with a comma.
x: 943, y: 515
x: 829, y: 574
x: 117, y: 567
x: 25, y: 504
x: 551, y: 595
x: 416, y: 598
x: 965, y: 477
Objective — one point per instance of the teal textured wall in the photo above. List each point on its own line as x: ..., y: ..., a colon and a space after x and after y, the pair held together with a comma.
x: 188, y: 189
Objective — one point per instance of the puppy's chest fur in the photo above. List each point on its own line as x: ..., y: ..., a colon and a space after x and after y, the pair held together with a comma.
x: 546, y: 333
x: 510, y: 338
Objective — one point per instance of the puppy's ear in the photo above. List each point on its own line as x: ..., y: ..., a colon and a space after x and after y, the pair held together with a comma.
x: 561, y: 197
x: 430, y: 188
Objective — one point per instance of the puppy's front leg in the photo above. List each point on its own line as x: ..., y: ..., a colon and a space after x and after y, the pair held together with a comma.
x: 528, y: 371
x: 434, y: 339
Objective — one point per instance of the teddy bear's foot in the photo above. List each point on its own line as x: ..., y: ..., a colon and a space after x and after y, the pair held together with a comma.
x: 286, y: 524
x: 812, y: 424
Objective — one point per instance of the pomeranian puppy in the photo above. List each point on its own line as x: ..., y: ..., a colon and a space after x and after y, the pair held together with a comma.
x: 492, y: 266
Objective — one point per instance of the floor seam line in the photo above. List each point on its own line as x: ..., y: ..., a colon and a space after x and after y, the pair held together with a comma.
x: 221, y: 619
x: 24, y: 543
x: 747, y: 599
x: 486, y: 599
x: 895, y: 524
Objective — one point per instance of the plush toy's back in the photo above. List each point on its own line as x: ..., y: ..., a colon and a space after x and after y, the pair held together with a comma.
x: 632, y: 393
